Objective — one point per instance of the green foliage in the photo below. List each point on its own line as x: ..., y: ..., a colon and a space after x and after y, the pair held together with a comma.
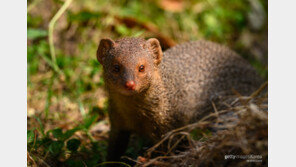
x: 36, y: 33
x: 57, y: 133
x: 56, y: 147
x: 33, y: 21
x: 89, y: 120
x: 83, y: 16
x: 63, y: 142
x: 30, y: 136
x: 33, y: 53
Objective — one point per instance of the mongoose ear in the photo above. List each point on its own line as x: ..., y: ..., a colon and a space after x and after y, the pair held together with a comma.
x: 104, y: 46
x: 156, y: 49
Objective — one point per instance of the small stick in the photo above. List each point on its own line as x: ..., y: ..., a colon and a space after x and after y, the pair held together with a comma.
x: 50, y: 32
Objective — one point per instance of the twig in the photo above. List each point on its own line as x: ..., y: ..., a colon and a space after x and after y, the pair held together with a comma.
x: 258, y: 91
x: 51, y: 28
x: 128, y: 158
x: 216, y: 112
x: 175, y: 144
x: 31, y: 159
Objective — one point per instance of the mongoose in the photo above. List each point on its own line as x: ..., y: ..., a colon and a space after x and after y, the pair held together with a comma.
x: 151, y: 92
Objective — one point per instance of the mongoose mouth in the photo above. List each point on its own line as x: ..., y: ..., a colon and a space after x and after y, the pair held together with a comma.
x: 128, y: 88
x: 127, y: 92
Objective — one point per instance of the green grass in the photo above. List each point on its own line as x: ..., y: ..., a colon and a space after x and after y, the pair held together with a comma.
x: 66, y: 98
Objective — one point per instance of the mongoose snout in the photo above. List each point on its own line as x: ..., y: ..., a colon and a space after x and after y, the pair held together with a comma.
x: 130, y: 85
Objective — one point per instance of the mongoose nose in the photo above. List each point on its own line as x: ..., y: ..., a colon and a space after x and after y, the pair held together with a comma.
x: 130, y: 85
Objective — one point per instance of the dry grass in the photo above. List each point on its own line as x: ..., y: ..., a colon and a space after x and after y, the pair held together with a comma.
x: 239, y: 130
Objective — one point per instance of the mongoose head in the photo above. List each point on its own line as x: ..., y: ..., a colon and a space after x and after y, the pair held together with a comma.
x: 129, y: 63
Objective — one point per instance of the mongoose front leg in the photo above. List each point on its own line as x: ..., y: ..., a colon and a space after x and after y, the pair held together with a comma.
x: 117, y: 144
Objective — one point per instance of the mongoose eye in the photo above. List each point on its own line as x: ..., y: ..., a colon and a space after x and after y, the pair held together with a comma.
x: 141, y: 68
x: 116, y: 68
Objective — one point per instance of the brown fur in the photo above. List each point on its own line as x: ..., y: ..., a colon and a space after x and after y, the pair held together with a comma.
x: 175, y: 89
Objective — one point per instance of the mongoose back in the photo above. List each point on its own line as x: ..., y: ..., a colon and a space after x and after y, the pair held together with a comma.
x: 151, y: 92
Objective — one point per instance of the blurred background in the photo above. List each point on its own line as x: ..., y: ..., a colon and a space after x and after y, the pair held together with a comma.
x: 67, y: 106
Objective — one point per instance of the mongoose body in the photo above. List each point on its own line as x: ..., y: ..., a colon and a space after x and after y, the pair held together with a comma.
x: 151, y: 92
